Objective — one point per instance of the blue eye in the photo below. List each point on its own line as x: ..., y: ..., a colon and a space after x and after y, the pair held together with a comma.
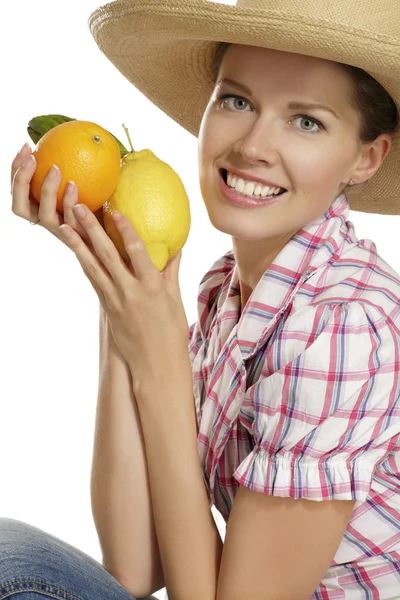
x: 223, y: 97
x: 311, y: 120
x: 226, y: 96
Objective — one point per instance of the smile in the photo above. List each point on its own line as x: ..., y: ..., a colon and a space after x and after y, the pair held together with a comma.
x: 252, y: 189
x: 243, y: 200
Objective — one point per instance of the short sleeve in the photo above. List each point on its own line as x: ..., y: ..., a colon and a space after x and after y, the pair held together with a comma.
x: 330, y: 413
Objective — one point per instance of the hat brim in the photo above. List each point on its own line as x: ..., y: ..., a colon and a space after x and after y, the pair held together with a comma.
x: 166, y: 50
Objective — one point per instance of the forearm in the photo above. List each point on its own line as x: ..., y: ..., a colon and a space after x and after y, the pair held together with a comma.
x: 121, y: 502
x: 189, y: 541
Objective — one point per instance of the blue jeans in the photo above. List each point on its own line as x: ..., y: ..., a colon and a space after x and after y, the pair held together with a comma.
x: 35, y: 565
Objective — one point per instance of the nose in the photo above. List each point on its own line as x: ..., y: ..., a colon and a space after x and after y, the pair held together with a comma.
x: 258, y: 144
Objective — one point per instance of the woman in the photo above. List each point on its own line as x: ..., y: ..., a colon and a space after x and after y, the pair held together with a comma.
x: 294, y: 357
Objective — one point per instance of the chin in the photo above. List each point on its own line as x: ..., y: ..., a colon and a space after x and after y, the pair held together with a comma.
x: 230, y: 221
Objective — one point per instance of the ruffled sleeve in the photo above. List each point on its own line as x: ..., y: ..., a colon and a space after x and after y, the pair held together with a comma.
x: 330, y: 412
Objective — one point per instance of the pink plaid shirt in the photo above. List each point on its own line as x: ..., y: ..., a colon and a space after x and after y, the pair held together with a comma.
x: 300, y: 396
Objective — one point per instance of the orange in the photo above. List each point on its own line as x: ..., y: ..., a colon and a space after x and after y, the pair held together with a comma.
x: 85, y: 153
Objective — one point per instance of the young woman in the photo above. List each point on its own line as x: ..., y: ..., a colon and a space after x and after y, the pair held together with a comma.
x: 291, y: 397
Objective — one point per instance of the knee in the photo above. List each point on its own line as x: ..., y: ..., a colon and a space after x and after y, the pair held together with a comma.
x: 13, y: 538
x: 29, y: 552
x: 11, y: 529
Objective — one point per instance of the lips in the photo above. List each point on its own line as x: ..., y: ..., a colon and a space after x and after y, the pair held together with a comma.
x: 224, y: 174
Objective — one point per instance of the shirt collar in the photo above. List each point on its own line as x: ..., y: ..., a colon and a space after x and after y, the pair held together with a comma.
x: 313, y: 247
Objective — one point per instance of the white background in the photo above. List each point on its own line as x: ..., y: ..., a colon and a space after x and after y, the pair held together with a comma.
x: 48, y: 309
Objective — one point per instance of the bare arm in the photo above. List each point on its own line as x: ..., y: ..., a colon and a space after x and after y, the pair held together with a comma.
x: 121, y: 500
x: 121, y: 503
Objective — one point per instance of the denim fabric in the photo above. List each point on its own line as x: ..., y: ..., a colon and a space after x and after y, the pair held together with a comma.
x: 35, y: 565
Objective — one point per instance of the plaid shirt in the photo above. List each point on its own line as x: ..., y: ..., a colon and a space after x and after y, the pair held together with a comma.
x: 299, y: 397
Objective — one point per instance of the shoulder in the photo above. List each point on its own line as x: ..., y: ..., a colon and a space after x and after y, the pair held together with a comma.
x: 356, y: 274
x: 330, y: 355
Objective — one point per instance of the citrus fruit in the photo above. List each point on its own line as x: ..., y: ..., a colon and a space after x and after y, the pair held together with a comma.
x: 85, y: 153
x: 152, y: 196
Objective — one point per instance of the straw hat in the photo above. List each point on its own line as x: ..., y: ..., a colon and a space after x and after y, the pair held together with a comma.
x: 165, y: 48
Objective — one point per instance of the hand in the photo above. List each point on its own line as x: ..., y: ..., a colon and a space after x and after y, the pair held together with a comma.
x: 25, y: 206
x: 144, y: 306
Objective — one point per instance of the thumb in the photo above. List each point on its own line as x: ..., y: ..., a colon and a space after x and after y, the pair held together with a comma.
x: 171, y: 271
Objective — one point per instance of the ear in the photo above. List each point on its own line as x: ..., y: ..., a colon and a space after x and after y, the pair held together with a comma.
x: 372, y: 157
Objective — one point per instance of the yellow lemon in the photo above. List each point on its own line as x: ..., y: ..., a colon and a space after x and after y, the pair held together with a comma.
x: 152, y: 196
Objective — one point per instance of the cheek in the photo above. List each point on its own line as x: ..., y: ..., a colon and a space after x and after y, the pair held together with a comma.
x: 204, y: 149
x: 315, y: 165
x: 211, y: 141
x: 205, y: 132
x: 213, y: 145
x: 216, y: 134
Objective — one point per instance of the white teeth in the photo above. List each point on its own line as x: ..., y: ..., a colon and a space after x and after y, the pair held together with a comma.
x: 250, y: 188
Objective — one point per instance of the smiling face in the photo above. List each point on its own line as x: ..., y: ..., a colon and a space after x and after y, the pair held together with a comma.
x: 310, y: 152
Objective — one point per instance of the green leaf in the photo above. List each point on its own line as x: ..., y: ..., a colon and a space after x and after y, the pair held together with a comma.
x: 40, y: 125
x: 122, y: 148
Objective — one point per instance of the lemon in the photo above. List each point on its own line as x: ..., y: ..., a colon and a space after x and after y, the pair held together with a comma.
x: 152, y: 196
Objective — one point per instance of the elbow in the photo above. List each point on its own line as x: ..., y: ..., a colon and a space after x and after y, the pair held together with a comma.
x: 139, y: 587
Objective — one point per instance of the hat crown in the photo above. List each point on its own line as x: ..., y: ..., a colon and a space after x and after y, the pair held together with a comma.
x: 376, y: 16
x: 167, y: 50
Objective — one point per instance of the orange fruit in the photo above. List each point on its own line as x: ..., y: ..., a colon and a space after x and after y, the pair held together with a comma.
x: 85, y: 153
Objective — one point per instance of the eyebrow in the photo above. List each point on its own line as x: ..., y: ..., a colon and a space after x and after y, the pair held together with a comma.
x: 291, y: 105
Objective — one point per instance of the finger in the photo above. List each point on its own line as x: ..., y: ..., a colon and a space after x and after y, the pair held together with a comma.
x: 99, y: 214
x: 96, y: 288
x: 48, y: 215
x: 90, y: 263
x: 21, y: 205
x: 70, y: 200
x: 18, y: 160
x: 135, y: 247
x: 103, y: 246
x: 94, y: 285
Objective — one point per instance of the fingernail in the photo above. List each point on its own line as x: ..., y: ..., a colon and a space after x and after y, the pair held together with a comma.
x: 29, y: 161
x: 70, y: 187
x: 66, y: 231
x: 53, y: 172
x: 25, y: 149
x: 79, y: 210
